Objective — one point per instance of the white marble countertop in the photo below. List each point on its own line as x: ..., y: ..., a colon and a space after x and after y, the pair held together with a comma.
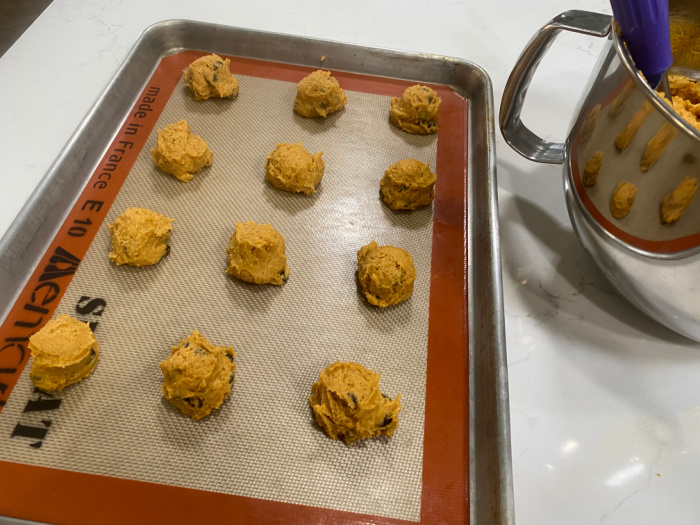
x: 605, y: 407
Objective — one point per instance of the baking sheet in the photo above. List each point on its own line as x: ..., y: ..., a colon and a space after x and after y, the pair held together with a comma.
x: 490, y: 491
x: 262, y: 443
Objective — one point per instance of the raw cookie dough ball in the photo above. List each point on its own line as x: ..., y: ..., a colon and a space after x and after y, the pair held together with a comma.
x: 197, y: 377
x: 209, y: 77
x: 256, y: 254
x: 675, y: 203
x: 592, y: 168
x: 348, y: 404
x: 290, y: 167
x: 319, y: 95
x: 620, y: 100
x: 656, y: 147
x: 417, y: 111
x: 64, y: 352
x: 180, y: 152
x: 386, y: 274
x: 139, y: 237
x: 589, y: 124
x: 407, y: 185
x: 622, y: 199
x: 625, y: 136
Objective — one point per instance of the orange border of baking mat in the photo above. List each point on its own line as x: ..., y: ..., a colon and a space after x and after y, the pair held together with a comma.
x: 679, y: 244
x: 52, y: 495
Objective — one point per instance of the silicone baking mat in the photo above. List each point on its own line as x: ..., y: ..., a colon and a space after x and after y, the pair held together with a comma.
x: 260, y: 454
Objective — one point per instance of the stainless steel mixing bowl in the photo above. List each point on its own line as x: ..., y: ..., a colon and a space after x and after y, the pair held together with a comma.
x: 638, y: 139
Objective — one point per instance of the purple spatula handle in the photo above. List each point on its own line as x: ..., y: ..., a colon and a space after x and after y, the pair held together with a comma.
x: 644, y: 25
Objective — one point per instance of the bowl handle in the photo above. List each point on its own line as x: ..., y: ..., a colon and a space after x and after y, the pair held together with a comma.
x: 520, y: 138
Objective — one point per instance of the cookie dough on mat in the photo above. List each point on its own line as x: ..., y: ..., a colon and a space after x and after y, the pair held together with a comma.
x: 348, y: 404
x: 675, y: 203
x: 319, y: 95
x: 210, y: 77
x: 408, y: 185
x: 197, y: 376
x: 64, y: 352
x: 417, y: 111
x: 291, y: 168
x: 140, y: 237
x: 386, y: 274
x: 256, y: 254
x: 622, y: 199
x: 592, y: 168
x: 179, y: 152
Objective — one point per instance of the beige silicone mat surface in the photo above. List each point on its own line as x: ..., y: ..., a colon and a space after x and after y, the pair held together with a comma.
x: 263, y: 442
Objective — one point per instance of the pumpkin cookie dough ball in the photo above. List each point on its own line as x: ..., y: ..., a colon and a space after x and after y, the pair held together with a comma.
x: 348, y: 404
x: 198, y: 375
x: 589, y: 124
x: 408, y: 185
x: 180, y: 152
x: 386, y: 274
x: 64, y: 352
x: 622, y: 199
x: 140, y: 237
x: 675, y: 203
x: 319, y: 95
x: 592, y: 168
x: 656, y: 147
x: 417, y: 111
x: 625, y: 136
x: 256, y: 254
x: 209, y: 77
x: 290, y: 167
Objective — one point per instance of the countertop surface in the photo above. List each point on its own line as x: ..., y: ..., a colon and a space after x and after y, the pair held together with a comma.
x: 604, y: 402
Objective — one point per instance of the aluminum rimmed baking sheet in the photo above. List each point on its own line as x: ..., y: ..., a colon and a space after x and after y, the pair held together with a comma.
x: 272, y: 460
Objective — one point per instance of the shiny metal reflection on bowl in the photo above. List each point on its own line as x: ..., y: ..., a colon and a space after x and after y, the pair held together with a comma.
x: 631, y: 165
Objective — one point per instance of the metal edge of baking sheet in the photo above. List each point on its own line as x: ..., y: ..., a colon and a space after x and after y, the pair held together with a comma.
x: 490, y: 484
